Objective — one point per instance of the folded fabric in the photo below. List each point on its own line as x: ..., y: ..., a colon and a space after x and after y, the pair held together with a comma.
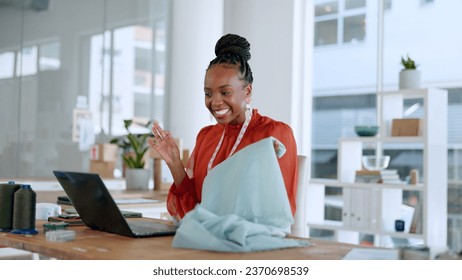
x: 244, y: 205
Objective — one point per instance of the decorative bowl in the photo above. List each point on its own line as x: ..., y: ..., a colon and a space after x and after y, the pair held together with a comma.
x: 366, y: 130
x: 374, y: 163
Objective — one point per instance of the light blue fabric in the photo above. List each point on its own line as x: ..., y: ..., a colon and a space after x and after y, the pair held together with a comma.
x: 244, y: 205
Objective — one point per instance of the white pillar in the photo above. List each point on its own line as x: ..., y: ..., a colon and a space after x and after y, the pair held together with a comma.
x: 280, y: 35
x: 302, y: 94
x: 196, y: 26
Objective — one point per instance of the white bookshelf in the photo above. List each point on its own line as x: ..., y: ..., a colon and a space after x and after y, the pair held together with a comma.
x: 373, y: 208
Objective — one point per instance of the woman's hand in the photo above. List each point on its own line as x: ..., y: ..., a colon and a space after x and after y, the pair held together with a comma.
x: 165, y: 145
x: 276, y: 147
x: 279, y: 148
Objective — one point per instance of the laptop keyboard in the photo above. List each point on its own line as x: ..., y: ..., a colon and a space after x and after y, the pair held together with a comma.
x: 142, y: 228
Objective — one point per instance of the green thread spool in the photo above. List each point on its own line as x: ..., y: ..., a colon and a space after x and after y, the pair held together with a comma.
x: 24, y: 211
x: 6, y: 205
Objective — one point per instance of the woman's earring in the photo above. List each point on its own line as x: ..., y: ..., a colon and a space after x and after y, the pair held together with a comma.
x: 248, y: 111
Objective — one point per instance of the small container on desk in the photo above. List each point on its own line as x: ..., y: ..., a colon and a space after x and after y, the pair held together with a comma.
x: 60, y: 235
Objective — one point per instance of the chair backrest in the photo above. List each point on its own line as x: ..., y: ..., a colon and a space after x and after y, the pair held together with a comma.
x: 300, y: 227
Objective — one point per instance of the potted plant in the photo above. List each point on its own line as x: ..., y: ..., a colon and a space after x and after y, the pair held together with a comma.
x: 409, y: 76
x: 134, y: 150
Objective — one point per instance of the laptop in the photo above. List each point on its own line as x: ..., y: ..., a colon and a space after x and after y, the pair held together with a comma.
x: 98, y: 210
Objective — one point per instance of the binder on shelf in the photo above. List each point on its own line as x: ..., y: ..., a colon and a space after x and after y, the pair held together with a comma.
x: 357, y: 208
x: 346, y: 208
x: 356, y: 212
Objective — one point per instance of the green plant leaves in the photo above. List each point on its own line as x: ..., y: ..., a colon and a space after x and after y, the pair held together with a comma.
x: 139, y: 148
x: 408, y: 63
x: 134, y: 146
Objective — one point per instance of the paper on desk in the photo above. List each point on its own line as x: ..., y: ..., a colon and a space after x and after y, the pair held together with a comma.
x: 244, y: 206
x: 372, y: 254
x: 135, y: 200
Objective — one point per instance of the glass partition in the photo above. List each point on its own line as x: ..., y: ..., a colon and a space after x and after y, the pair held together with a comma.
x: 70, y: 73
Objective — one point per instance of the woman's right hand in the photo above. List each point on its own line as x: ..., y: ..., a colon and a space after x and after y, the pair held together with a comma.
x: 166, y: 147
x: 164, y: 144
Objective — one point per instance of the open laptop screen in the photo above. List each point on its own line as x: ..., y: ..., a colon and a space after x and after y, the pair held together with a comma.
x: 93, y: 202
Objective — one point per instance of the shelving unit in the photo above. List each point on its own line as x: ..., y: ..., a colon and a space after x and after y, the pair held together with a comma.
x: 372, y: 208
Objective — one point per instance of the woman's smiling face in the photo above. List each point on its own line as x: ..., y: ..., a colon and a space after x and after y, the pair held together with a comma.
x: 226, y: 95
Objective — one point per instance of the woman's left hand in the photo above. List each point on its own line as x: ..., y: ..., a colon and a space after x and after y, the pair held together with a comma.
x: 276, y: 147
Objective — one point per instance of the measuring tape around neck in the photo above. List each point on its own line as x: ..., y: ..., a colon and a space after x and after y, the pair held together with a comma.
x: 248, y: 117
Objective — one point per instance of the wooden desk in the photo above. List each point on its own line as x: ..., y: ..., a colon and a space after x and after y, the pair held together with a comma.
x: 97, y: 245
x: 92, y: 244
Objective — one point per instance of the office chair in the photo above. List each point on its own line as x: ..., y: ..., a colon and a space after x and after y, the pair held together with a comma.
x: 300, y: 228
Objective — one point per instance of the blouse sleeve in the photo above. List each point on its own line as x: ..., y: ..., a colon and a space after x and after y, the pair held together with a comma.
x: 181, y: 199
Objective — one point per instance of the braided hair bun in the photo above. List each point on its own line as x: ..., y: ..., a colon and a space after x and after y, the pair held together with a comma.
x: 234, y: 50
x: 233, y: 44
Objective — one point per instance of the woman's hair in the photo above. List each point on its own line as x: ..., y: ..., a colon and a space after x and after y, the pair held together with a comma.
x: 234, y: 50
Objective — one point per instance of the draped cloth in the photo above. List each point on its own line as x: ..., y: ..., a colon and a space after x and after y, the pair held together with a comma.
x: 244, y: 205
x: 183, y: 197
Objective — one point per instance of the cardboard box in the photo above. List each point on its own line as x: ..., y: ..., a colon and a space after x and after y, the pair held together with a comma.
x: 104, y: 152
x: 406, y: 127
x: 104, y: 168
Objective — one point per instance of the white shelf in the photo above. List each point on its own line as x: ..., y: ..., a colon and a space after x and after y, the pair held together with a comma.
x: 373, y: 208
x: 337, y: 225
x: 373, y: 140
x: 336, y: 183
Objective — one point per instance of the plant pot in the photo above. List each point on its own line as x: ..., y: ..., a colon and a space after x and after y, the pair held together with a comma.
x: 137, y: 178
x: 409, y: 78
x: 131, y: 154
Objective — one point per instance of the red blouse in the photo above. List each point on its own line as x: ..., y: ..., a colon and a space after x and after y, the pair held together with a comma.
x: 184, y: 197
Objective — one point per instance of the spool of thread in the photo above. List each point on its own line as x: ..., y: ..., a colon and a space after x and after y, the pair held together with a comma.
x: 6, y: 205
x: 24, y: 211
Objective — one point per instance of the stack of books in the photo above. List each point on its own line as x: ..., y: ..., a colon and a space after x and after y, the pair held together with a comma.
x: 386, y: 176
